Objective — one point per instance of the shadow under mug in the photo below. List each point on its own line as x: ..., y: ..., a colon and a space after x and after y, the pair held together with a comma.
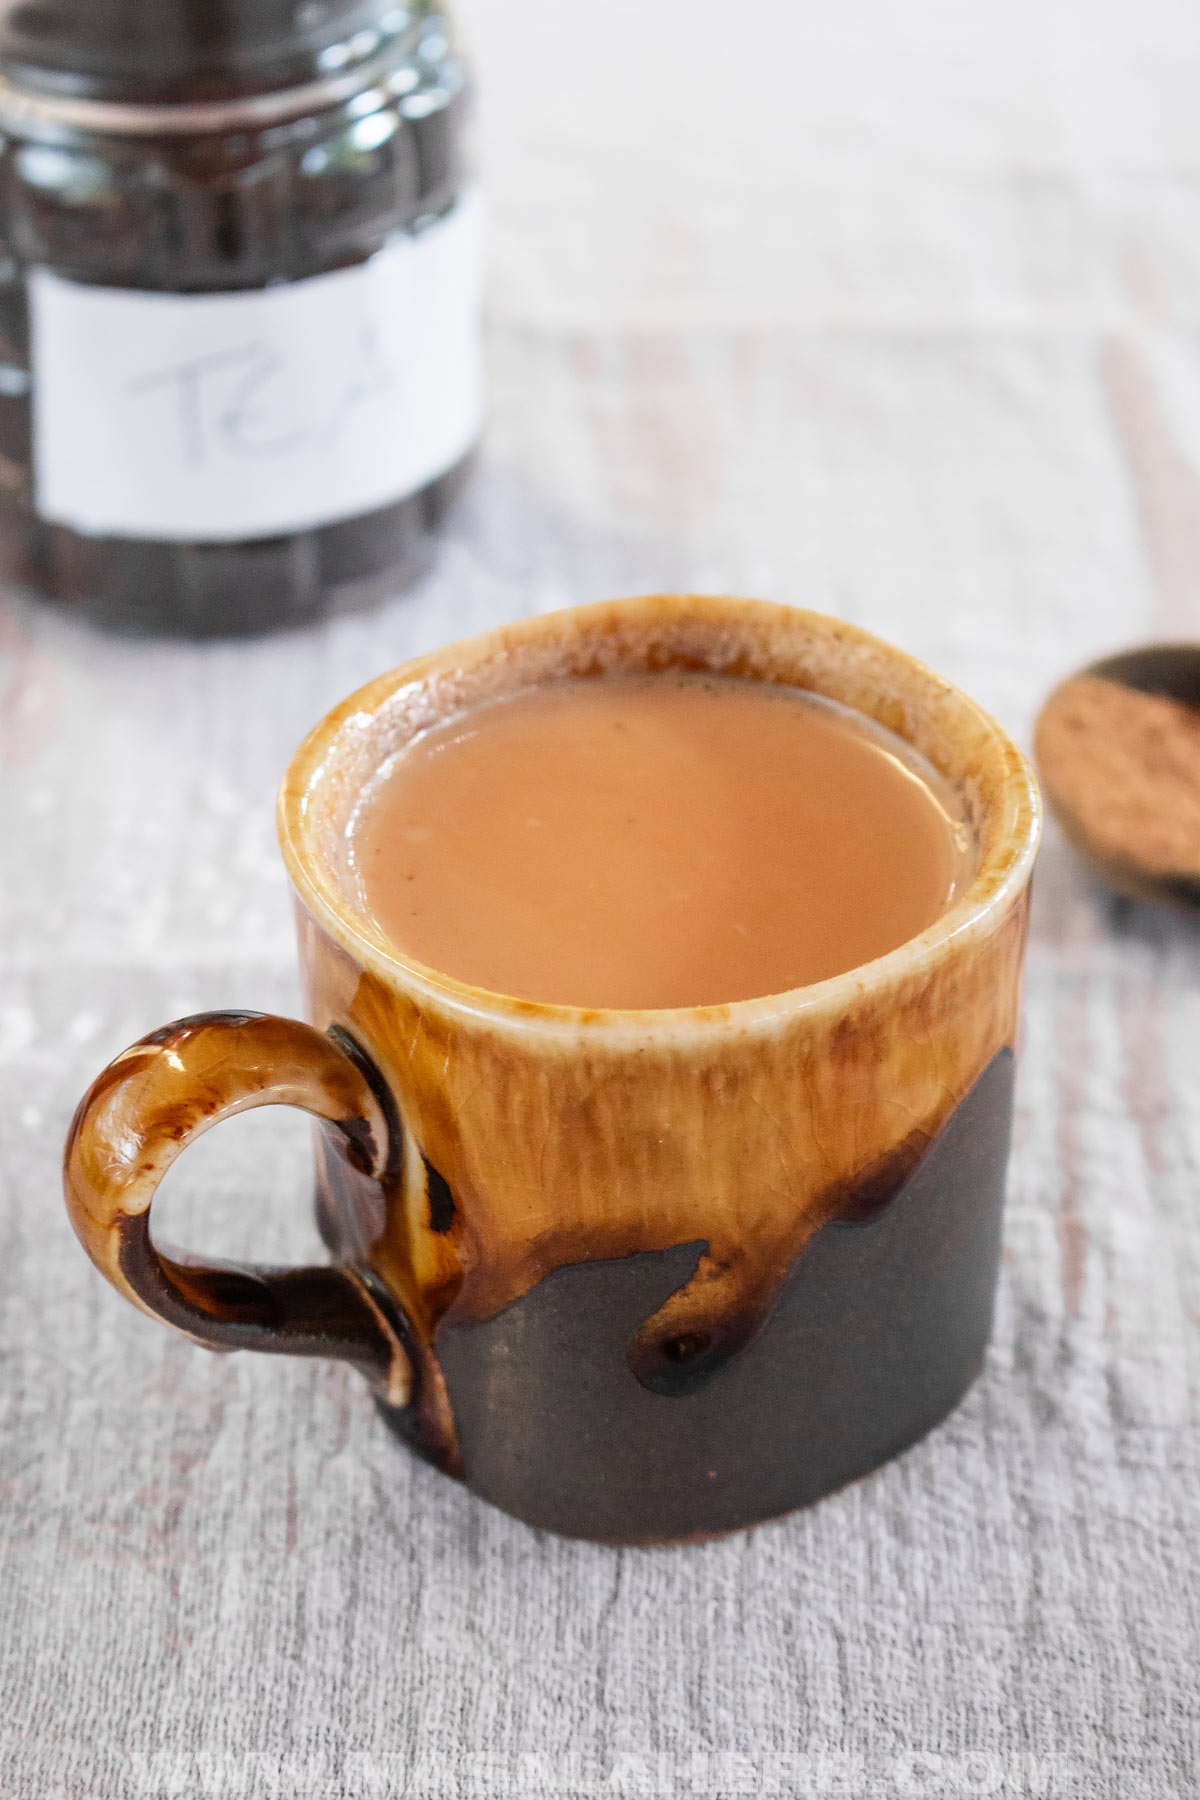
x: 632, y: 1276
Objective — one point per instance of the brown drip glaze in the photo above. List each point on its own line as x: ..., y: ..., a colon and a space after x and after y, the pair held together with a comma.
x: 147, y: 1106
x: 877, y: 1330
x: 567, y: 1137
x: 636, y: 1276
x: 555, y: 1160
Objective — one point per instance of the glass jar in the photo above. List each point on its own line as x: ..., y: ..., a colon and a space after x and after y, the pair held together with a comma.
x: 240, y: 362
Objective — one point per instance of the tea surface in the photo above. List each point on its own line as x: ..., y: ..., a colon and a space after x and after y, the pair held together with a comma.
x: 653, y: 841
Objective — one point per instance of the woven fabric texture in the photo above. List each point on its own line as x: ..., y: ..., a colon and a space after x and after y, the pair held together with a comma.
x: 889, y: 311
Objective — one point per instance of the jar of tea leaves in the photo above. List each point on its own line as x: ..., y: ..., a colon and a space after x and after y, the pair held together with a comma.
x: 240, y: 361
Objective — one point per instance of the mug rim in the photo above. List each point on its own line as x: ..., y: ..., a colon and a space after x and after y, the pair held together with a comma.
x: 1002, y: 874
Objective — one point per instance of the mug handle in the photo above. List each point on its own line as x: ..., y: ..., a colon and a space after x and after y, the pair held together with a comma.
x: 149, y: 1104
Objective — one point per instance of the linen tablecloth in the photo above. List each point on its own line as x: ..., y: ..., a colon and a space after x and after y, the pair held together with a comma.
x: 886, y: 310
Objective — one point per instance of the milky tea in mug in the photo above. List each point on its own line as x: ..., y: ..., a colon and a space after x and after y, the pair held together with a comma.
x: 661, y: 960
x: 647, y: 841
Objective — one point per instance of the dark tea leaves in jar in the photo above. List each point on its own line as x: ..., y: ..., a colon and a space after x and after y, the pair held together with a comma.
x: 240, y: 360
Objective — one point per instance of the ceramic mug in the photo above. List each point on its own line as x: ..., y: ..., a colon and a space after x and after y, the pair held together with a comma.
x: 633, y: 1276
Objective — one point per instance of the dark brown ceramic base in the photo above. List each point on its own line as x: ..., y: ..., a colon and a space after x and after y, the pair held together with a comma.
x: 878, y: 1330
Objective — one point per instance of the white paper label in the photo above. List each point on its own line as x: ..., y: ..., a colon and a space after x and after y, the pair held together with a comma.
x: 225, y: 416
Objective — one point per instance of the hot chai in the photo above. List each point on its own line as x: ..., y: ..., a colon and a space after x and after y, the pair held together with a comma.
x: 654, y: 841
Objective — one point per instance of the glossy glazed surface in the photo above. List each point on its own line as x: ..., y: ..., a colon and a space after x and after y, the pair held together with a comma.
x: 879, y: 1326
x: 543, y: 1137
x: 507, y: 1184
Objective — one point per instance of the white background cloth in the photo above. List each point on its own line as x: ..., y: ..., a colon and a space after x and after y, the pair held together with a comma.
x: 887, y: 310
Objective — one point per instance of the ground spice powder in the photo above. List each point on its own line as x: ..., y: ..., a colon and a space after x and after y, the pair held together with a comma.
x: 1126, y: 764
